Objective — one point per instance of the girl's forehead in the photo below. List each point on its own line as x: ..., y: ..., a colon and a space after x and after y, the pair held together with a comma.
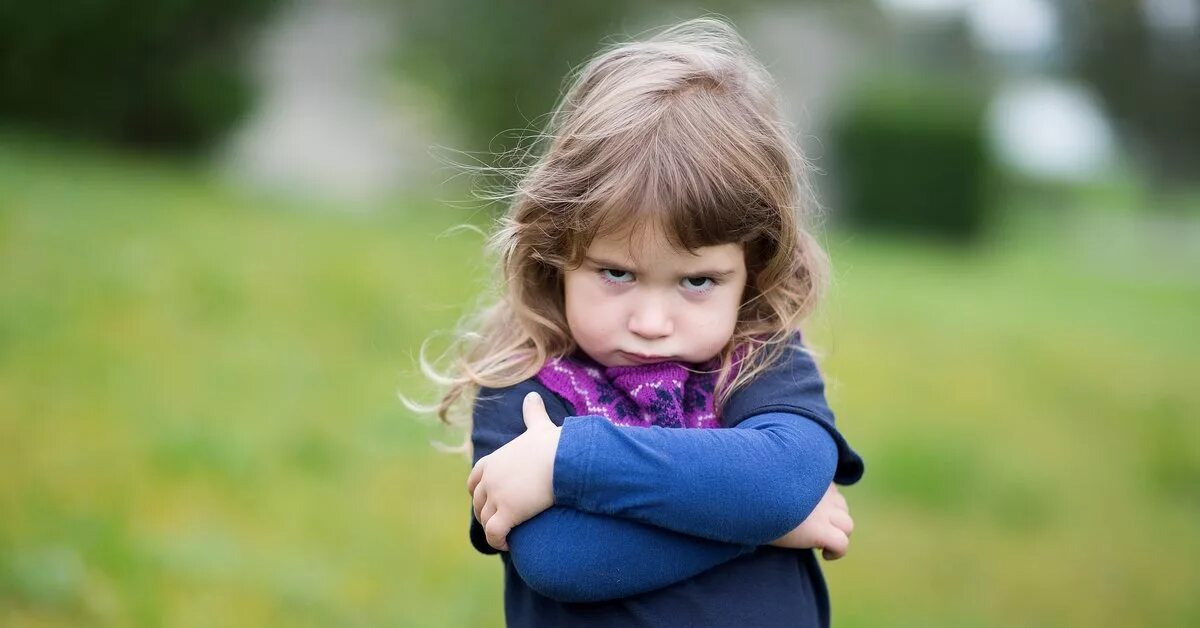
x: 633, y: 235
x: 651, y: 249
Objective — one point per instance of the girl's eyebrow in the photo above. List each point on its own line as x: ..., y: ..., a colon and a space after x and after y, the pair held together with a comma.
x: 603, y: 263
x: 715, y: 274
x: 596, y: 261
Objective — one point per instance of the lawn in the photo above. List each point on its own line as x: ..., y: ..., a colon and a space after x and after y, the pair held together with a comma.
x: 199, y: 422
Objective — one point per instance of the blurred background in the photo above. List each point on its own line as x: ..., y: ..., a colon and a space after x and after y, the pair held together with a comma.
x: 225, y: 229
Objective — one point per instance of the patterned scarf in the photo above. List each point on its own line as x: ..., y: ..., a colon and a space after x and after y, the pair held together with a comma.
x: 666, y: 394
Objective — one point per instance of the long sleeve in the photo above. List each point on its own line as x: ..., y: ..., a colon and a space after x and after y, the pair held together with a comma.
x: 745, y: 485
x: 664, y: 535
x: 748, y: 485
x: 575, y: 556
x: 794, y: 386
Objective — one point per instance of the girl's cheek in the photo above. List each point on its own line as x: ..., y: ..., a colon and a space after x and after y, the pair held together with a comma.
x: 604, y: 296
x: 721, y: 318
x: 604, y: 316
x: 593, y: 312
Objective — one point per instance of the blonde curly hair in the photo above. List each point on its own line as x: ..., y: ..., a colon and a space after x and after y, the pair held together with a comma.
x: 681, y: 131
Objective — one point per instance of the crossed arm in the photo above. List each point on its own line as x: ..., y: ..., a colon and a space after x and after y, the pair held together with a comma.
x: 637, y: 509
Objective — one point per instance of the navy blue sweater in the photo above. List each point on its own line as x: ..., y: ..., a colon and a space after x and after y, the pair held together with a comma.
x: 664, y: 527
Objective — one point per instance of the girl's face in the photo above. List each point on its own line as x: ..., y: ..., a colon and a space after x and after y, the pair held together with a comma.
x: 663, y: 305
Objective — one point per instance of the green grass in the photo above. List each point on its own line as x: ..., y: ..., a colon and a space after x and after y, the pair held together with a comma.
x: 199, y: 425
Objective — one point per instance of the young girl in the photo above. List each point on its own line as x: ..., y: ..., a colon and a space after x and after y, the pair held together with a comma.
x: 655, y: 267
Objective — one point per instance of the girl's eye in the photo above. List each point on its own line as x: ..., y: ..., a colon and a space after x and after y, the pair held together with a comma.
x: 612, y: 275
x: 698, y: 284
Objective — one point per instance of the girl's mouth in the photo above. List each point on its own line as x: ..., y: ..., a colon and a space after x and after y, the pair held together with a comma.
x: 642, y: 358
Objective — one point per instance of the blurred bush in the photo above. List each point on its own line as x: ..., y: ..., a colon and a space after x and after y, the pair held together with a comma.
x: 1144, y: 62
x: 912, y: 156
x: 135, y: 72
x: 500, y: 65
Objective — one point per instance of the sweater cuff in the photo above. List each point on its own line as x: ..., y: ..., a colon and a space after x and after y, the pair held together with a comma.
x: 573, y: 459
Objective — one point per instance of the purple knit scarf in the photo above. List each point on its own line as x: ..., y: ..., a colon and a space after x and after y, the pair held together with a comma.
x: 667, y: 394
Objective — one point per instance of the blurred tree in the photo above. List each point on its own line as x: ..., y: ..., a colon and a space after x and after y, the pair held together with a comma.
x: 156, y: 73
x: 911, y: 156
x: 500, y: 65
x: 1146, y: 67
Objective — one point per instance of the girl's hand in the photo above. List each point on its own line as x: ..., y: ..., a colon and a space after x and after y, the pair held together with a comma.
x: 828, y: 527
x: 512, y: 484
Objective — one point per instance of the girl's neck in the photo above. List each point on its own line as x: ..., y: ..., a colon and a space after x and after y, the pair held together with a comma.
x: 668, y: 394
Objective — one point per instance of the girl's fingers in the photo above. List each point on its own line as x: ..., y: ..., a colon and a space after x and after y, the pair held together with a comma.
x: 842, y: 521
x: 489, y: 509
x: 478, y: 500
x: 497, y: 530
x: 835, y: 544
x: 533, y: 410
x: 476, y: 475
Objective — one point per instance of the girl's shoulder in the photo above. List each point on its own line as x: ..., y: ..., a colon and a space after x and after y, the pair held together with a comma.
x: 501, y: 406
x: 793, y: 384
x: 498, y: 417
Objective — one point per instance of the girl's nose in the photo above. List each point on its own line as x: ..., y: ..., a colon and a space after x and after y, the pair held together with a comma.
x: 651, y: 320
